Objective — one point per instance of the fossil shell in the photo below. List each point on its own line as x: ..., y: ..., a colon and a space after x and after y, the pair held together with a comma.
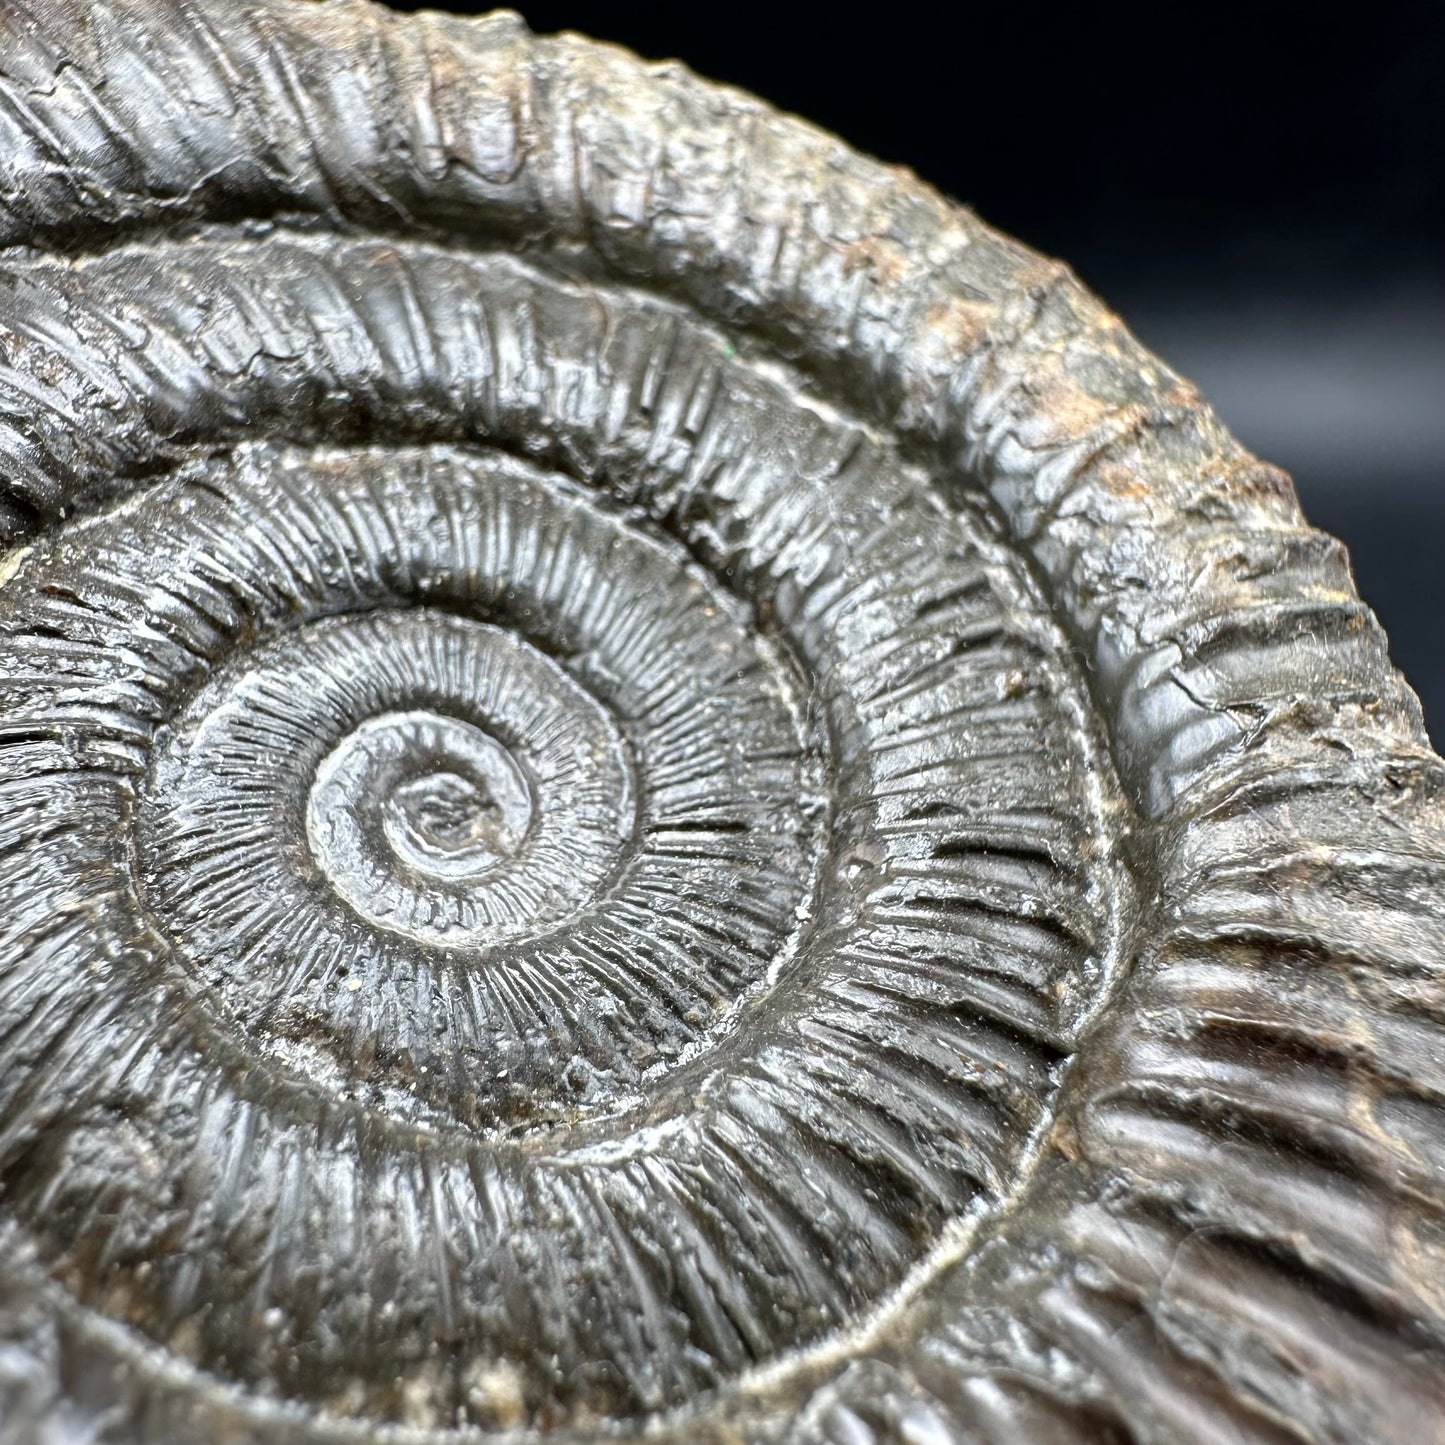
x: 650, y: 783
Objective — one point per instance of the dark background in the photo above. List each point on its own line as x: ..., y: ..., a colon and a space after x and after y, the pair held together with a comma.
x: 1259, y: 190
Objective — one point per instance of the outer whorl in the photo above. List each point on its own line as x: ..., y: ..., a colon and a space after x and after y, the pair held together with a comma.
x: 650, y: 783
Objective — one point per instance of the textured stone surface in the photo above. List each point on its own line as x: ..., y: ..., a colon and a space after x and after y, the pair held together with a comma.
x: 649, y: 782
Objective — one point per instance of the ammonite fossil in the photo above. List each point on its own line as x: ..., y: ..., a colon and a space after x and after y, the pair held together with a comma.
x: 652, y: 785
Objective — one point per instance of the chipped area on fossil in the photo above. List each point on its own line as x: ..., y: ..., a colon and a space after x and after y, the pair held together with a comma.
x: 562, y: 867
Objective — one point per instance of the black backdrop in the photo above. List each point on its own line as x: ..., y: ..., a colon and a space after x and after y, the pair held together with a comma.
x: 1259, y: 189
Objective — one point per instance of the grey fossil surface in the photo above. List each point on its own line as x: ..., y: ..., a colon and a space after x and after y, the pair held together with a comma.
x: 651, y: 785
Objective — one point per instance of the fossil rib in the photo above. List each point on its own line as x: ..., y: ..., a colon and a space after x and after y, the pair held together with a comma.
x: 648, y: 782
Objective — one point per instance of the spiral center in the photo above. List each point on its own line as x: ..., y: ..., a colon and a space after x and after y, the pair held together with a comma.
x: 439, y: 797
x: 444, y: 819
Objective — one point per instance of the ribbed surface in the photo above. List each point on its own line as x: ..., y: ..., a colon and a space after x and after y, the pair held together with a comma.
x: 889, y: 1012
x: 823, y: 915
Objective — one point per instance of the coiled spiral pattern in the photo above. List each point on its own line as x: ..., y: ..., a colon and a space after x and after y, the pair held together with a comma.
x: 705, y: 875
x: 561, y: 859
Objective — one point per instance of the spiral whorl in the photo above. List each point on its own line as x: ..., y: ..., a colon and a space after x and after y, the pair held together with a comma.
x: 709, y: 870
x: 648, y: 783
